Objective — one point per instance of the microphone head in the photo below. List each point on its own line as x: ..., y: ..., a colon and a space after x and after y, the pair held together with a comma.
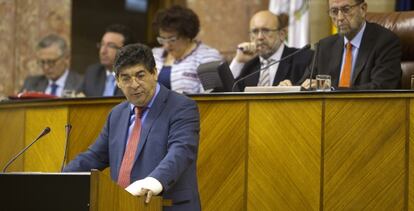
x: 46, y: 130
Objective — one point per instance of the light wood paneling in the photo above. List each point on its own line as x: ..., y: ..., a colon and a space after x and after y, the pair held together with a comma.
x: 410, y: 164
x: 12, y: 130
x: 284, y: 155
x: 87, y: 122
x: 47, y: 154
x: 263, y: 152
x: 222, y: 155
x: 365, y: 154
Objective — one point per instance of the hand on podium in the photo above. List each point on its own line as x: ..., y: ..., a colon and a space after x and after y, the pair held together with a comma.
x: 148, y: 186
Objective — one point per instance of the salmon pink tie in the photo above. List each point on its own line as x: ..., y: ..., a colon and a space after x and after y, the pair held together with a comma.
x: 124, y: 176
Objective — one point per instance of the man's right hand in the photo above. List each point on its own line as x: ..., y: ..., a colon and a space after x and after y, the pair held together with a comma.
x: 245, y: 52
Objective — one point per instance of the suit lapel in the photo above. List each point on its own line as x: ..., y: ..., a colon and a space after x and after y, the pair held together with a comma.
x: 42, y: 84
x: 336, y: 57
x: 283, y: 68
x: 70, y: 82
x: 254, y: 66
x: 121, y: 135
x: 367, y: 43
x: 100, y: 81
x: 153, y: 113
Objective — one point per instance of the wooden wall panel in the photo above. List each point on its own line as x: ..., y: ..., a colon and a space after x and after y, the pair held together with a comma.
x: 47, y: 154
x: 411, y: 157
x: 365, y: 154
x: 12, y: 130
x: 87, y: 122
x: 222, y: 155
x: 284, y: 155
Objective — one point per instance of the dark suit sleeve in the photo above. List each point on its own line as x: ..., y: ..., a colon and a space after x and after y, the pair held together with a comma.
x: 96, y: 157
x: 386, y: 72
x: 182, y: 145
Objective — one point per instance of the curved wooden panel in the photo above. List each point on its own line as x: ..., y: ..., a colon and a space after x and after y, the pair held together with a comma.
x: 411, y: 158
x: 47, y: 154
x: 12, y: 130
x: 87, y: 122
x: 284, y: 155
x: 365, y: 154
x: 222, y: 154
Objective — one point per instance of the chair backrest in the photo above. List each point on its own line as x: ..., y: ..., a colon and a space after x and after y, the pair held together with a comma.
x: 402, y: 24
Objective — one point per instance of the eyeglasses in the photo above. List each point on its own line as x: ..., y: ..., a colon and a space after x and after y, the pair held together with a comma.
x: 48, y: 62
x: 162, y: 40
x: 346, y: 10
x: 127, y: 80
x: 108, y: 45
x: 265, y: 32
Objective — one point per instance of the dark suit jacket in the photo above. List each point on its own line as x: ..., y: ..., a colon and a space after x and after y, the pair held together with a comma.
x: 292, y: 68
x: 167, y: 149
x: 378, y: 65
x: 39, y: 83
x: 94, y: 82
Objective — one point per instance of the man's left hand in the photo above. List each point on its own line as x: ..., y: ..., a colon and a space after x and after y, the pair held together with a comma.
x: 148, y: 186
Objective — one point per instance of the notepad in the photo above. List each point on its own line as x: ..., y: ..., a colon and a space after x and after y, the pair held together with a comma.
x: 272, y: 89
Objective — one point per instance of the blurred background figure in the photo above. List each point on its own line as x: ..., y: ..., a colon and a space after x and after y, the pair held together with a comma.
x: 99, y: 78
x: 53, y: 58
x: 180, y: 55
x: 266, y: 46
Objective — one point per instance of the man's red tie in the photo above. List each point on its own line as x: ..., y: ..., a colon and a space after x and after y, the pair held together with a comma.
x: 124, y: 176
x: 346, y: 71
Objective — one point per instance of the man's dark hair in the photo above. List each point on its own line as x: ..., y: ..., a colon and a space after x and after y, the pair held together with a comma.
x: 359, y: 1
x: 53, y: 39
x: 178, y: 19
x: 134, y: 54
x: 121, y: 29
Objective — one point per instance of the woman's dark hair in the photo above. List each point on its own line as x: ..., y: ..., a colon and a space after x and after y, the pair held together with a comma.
x: 178, y: 19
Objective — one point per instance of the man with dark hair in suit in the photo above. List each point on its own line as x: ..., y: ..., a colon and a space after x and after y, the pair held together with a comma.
x: 267, y: 36
x: 53, y: 57
x: 99, y: 78
x: 362, y: 55
x: 151, y: 141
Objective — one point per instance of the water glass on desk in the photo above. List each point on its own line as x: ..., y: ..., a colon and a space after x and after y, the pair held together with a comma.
x: 68, y: 93
x: 323, y: 83
x: 412, y: 81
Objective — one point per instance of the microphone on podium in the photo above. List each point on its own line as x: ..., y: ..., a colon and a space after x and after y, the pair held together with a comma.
x: 43, y: 133
x: 272, y: 63
x: 68, y: 128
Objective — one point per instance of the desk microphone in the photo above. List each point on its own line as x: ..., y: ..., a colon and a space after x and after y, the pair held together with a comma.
x: 68, y: 128
x: 273, y: 63
x: 43, y: 133
x: 315, y: 56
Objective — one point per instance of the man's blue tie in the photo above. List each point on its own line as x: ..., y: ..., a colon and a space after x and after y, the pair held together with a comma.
x: 109, y: 86
x: 53, y: 88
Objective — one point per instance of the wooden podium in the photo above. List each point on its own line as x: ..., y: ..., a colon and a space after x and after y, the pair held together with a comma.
x: 69, y: 191
x: 294, y: 151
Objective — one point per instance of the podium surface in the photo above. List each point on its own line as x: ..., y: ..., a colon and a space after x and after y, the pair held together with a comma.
x: 69, y: 191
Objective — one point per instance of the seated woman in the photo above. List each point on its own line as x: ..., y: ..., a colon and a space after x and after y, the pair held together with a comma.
x: 181, y: 54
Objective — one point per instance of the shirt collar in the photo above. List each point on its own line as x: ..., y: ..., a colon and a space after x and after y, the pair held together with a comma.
x: 61, y: 80
x: 275, y: 56
x: 356, y: 41
x: 110, y: 73
x: 157, y: 90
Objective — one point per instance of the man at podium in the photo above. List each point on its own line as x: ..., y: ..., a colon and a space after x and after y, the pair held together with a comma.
x: 150, y: 142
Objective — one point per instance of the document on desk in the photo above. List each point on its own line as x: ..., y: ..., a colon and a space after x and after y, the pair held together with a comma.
x: 272, y: 89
